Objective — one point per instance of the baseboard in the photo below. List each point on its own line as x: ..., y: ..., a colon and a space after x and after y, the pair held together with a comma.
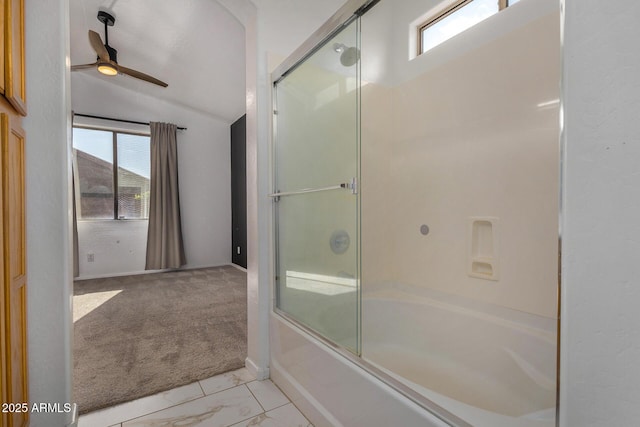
x: 252, y: 367
x: 238, y: 267
x: 130, y: 273
x: 136, y: 273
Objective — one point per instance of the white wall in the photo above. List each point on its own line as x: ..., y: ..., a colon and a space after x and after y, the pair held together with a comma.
x: 409, y: 13
x: 204, y: 179
x: 600, y: 347
x: 48, y: 178
x: 118, y: 247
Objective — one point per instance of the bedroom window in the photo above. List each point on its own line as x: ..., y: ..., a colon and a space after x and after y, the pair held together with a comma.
x: 111, y: 172
x: 461, y: 15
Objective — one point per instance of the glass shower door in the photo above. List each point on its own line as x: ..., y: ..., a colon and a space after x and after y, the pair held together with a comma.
x: 316, y: 160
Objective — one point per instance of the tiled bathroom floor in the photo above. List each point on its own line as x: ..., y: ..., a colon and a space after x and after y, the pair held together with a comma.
x: 233, y: 399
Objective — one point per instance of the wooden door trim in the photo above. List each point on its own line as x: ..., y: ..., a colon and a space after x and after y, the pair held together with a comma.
x: 15, y: 83
x: 14, y: 282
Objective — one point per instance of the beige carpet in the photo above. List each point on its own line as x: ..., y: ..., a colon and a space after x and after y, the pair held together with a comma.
x: 139, y: 335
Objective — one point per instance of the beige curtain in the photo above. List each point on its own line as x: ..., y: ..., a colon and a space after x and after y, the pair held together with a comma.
x: 164, y: 240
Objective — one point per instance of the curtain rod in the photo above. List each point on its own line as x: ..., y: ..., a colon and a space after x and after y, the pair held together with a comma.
x: 118, y: 120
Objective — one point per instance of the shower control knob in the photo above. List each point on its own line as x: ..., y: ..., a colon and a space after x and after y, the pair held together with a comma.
x: 339, y: 242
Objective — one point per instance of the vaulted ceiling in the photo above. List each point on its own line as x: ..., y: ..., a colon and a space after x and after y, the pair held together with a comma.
x: 196, y: 46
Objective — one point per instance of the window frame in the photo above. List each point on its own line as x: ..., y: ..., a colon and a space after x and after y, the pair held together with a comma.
x: 450, y: 10
x: 114, y: 145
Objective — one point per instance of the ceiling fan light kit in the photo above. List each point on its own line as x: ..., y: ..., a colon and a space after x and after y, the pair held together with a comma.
x: 107, y: 69
x: 107, y: 62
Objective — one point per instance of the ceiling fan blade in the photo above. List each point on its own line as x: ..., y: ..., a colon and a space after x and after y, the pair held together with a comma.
x: 141, y: 76
x: 83, y: 66
x: 98, y: 46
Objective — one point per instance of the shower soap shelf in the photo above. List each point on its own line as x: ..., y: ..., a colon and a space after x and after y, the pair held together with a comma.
x: 483, y: 255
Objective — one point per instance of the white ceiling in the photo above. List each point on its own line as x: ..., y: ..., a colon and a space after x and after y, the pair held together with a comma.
x: 196, y: 46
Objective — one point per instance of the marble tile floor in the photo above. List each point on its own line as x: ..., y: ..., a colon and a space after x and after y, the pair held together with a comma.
x: 233, y: 399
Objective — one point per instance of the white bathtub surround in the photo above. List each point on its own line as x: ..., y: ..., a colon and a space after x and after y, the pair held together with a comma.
x: 330, y: 390
x: 463, y: 149
x: 489, y: 367
x: 459, y: 225
x: 230, y: 399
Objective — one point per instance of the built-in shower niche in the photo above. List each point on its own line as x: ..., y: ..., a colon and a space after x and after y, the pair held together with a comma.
x: 483, y: 259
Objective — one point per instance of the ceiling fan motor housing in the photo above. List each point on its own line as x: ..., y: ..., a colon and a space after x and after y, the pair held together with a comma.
x: 108, y: 20
x: 113, y: 54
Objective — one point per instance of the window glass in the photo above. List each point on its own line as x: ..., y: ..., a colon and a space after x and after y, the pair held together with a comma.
x: 99, y: 185
x: 94, y: 166
x: 456, y: 22
x: 133, y: 176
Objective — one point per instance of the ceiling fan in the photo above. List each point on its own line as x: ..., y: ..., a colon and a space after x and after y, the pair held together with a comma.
x: 107, y: 61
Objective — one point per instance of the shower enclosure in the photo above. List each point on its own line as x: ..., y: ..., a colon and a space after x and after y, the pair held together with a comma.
x: 416, y: 209
x: 316, y: 169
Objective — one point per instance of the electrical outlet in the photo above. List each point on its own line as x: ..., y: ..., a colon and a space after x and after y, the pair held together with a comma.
x: 90, y: 257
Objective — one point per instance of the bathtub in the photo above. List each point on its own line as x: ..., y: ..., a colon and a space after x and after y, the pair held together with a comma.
x: 488, y: 365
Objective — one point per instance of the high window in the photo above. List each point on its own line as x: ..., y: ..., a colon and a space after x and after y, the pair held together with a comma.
x: 460, y: 16
x: 111, y: 172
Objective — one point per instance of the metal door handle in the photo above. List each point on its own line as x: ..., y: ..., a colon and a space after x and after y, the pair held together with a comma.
x: 345, y: 185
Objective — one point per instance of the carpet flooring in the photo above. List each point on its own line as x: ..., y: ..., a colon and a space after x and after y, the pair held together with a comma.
x: 138, y: 335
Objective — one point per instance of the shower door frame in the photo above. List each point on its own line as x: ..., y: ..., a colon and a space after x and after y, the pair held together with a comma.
x: 325, y: 33
x: 350, y: 11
